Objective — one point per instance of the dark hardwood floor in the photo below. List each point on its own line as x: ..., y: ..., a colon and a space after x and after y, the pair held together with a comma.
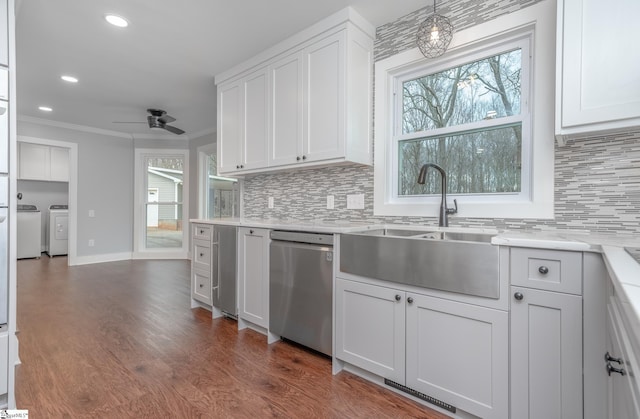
x: 118, y: 340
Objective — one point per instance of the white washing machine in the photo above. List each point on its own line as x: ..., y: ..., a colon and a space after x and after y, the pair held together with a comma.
x: 29, y: 232
x: 57, y: 231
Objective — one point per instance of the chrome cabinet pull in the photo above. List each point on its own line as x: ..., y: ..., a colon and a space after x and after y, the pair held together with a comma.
x: 518, y: 296
x: 398, y: 298
x: 611, y: 369
x: 609, y: 358
x: 543, y: 270
x: 410, y: 300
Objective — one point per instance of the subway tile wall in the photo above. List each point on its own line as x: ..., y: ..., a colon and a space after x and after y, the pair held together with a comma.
x: 597, y: 179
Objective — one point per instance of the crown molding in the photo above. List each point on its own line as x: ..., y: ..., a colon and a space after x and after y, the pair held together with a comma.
x: 74, y: 127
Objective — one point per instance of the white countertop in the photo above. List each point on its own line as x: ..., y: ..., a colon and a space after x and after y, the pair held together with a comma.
x: 623, y: 269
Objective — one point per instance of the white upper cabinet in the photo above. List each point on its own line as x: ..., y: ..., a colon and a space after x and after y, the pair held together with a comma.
x: 4, y: 34
x: 324, y: 107
x: 43, y: 162
x: 286, y: 110
x: 597, y: 63
x: 318, y: 100
x: 242, y: 123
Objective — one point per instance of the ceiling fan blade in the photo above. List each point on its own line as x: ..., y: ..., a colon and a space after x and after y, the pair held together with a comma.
x: 165, y: 119
x: 127, y: 122
x: 174, y: 130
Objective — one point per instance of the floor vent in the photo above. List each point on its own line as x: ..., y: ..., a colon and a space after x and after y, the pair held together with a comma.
x: 422, y: 396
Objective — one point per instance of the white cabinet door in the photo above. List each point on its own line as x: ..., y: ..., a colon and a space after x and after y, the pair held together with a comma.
x: 598, y: 63
x: 33, y: 161
x: 622, y: 398
x: 255, y: 144
x: 458, y: 353
x: 370, y: 328
x: 59, y: 158
x: 4, y: 32
x: 253, y: 275
x: 546, y: 354
x: 230, y: 120
x: 324, y: 104
x: 286, y: 111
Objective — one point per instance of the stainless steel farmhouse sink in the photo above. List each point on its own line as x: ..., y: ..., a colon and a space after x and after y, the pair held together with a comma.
x: 460, y: 262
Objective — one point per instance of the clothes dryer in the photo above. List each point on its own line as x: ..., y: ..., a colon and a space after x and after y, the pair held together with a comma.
x: 57, y: 231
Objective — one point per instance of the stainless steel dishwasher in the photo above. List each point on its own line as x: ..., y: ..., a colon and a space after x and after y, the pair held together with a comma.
x: 301, y: 288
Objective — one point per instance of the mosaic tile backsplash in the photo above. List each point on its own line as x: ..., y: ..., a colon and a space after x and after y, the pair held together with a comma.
x: 597, y: 179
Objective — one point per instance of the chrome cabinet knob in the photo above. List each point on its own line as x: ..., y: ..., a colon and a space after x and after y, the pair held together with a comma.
x: 398, y: 298
x: 250, y: 231
x: 201, y: 285
x: 543, y: 270
x: 201, y: 254
x: 298, y: 158
x: 410, y: 300
x: 518, y: 296
x: 304, y: 157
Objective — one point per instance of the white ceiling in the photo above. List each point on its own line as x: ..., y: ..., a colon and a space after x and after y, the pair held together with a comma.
x: 165, y: 59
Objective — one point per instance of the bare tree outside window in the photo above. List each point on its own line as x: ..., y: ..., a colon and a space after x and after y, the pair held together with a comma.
x: 478, y: 159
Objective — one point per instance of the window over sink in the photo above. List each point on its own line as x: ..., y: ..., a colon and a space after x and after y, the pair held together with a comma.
x: 483, y: 111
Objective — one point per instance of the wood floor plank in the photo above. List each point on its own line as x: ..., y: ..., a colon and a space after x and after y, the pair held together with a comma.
x: 119, y: 340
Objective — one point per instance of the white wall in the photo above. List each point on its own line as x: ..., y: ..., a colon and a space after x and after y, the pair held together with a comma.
x: 105, y: 184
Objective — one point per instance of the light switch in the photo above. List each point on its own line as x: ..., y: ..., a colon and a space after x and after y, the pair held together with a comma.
x: 92, y: 213
x: 270, y: 204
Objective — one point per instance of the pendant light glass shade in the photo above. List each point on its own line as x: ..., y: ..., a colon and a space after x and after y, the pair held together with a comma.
x: 434, y: 35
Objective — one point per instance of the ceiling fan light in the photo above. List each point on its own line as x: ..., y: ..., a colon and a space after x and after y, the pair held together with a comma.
x: 116, y: 20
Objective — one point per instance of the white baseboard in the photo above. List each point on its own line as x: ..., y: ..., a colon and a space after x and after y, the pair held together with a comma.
x: 109, y: 257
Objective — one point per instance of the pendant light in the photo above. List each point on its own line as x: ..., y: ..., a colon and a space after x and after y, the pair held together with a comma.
x: 434, y: 35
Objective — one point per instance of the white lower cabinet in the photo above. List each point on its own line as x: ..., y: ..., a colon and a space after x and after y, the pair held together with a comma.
x: 546, y: 354
x: 253, y: 276
x: 370, y: 328
x: 458, y: 353
x: 454, y: 352
x: 623, y: 389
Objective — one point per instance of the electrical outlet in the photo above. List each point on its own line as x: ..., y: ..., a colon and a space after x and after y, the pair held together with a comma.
x: 270, y: 202
x: 330, y: 202
x: 92, y: 242
x: 92, y: 213
x: 355, y: 201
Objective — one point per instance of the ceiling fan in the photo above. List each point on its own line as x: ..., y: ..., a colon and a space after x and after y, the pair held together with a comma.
x: 157, y: 118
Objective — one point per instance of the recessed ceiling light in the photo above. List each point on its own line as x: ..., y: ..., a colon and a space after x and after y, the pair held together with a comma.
x: 69, y: 79
x: 116, y: 20
x: 45, y: 108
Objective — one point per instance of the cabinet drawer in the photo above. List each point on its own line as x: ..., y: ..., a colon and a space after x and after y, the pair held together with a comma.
x: 202, y: 255
x: 201, y: 286
x: 202, y: 232
x: 552, y: 270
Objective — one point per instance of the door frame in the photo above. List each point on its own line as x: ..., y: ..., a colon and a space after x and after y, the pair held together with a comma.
x: 140, y: 195
x: 72, y: 258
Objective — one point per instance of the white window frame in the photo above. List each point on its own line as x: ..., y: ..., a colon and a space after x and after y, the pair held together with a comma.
x: 531, y: 28
x: 203, y: 168
x: 140, y: 251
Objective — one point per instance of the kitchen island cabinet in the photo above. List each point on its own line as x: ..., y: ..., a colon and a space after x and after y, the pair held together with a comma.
x: 253, y: 278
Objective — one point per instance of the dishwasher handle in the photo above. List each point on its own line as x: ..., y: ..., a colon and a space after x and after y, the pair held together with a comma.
x: 302, y: 237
